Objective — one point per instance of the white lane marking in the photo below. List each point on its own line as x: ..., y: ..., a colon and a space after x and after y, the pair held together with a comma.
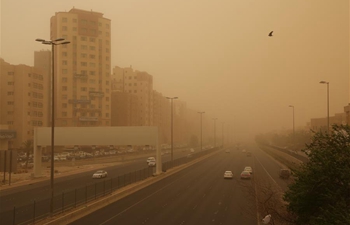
x: 266, y: 171
x: 137, y: 203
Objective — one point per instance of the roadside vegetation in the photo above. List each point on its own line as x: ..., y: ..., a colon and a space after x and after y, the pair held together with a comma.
x: 320, y: 191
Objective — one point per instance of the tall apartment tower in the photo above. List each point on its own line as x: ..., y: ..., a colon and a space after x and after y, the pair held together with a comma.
x: 136, y: 83
x: 42, y: 61
x: 82, y: 68
x: 23, y: 100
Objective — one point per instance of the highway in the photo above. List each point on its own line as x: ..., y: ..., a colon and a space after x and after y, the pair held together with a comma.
x: 197, y: 195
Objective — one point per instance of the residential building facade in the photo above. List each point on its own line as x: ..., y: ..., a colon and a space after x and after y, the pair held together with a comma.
x: 82, y: 68
x: 23, y: 100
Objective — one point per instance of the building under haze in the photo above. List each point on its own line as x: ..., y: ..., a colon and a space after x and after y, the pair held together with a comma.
x: 137, y: 83
x: 23, y: 100
x: 82, y: 68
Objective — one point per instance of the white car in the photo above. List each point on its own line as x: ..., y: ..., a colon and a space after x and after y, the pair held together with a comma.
x: 99, y: 174
x: 152, y: 163
x: 249, y: 169
x: 228, y: 175
x: 149, y: 159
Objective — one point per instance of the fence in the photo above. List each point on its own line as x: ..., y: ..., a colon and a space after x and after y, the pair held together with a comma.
x: 36, y: 210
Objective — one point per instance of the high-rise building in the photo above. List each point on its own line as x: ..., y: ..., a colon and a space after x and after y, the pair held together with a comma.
x: 137, y: 83
x: 42, y: 61
x: 82, y: 68
x: 23, y: 100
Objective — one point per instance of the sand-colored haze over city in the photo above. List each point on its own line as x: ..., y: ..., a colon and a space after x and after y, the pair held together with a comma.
x: 215, y: 55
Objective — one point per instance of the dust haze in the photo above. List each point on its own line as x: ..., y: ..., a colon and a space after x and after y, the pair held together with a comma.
x: 215, y: 55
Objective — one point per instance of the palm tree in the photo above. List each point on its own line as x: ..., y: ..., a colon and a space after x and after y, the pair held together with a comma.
x: 28, y: 147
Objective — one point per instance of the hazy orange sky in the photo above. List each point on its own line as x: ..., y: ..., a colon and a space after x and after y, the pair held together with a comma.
x: 215, y: 55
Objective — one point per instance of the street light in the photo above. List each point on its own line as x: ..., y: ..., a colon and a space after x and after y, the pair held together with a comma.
x: 326, y: 82
x: 222, y: 134
x: 292, y: 106
x: 215, y: 131
x: 58, y: 41
x: 201, y: 113
x: 172, y: 140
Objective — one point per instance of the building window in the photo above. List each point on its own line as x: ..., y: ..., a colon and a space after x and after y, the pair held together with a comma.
x: 64, y: 122
x: 92, y: 73
x: 64, y: 114
x: 64, y: 79
x: 64, y: 54
x: 83, y: 88
x: 107, y: 106
x: 92, y: 64
x: 10, y: 93
x: 12, y: 73
x: 84, y: 47
x: 83, y: 63
x: 74, y: 29
x: 83, y: 38
x: 74, y: 20
x: 11, y: 83
x: 64, y: 88
x: 64, y: 71
x: 92, y: 56
x: 64, y: 19
x: 64, y: 105
x: 64, y: 28
x: 10, y: 103
x: 83, y: 55
x: 64, y: 62
x: 92, y: 39
x: 92, y: 48
x: 91, y: 81
x: 64, y: 96
x: 107, y: 115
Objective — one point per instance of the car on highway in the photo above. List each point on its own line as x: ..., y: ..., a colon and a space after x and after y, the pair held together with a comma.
x: 99, y: 174
x: 192, y: 150
x: 245, y: 175
x: 249, y: 169
x: 149, y: 159
x: 152, y: 163
x: 228, y: 174
x: 284, y: 173
x: 227, y: 151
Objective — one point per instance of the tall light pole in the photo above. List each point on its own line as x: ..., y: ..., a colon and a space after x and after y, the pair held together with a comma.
x: 215, y: 131
x: 292, y: 106
x: 201, y: 113
x: 222, y: 134
x: 58, y: 41
x: 326, y: 82
x: 171, y: 129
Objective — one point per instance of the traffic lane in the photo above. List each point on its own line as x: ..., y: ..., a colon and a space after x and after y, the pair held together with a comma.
x: 26, y: 194
x: 271, y: 165
x: 195, y: 195
x: 23, y: 195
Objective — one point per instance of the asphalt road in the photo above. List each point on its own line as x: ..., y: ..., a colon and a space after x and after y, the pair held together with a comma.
x: 196, y: 195
x: 23, y: 195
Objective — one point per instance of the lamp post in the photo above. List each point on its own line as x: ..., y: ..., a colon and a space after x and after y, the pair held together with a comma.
x: 222, y: 134
x: 326, y: 82
x: 292, y: 106
x: 201, y: 113
x: 58, y: 41
x: 171, y: 129
x: 215, y: 131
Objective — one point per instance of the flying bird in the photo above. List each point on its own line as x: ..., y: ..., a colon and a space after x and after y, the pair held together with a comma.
x: 270, y: 34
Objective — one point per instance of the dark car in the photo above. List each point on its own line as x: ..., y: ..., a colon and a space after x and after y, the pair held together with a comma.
x: 285, y: 173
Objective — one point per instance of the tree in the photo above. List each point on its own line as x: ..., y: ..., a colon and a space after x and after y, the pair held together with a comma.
x: 321, y: 191
x: 28, y: 147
